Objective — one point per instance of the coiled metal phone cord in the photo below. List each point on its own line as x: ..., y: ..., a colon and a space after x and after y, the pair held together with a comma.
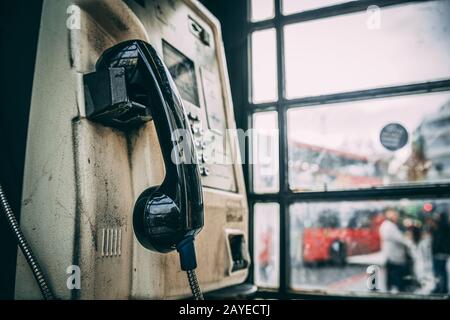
x: 25, y: 247
x: 188, y: 262
x: 193, y: 283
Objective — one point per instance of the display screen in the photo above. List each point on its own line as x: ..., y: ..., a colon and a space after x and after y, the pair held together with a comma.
x: 183, y: 73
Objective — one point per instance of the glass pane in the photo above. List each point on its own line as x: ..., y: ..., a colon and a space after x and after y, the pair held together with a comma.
x: 368, y: 246
x: 293, y: 6
x: 265, y: 152
x: 397, y: 45
x: 266, y: 252
x: 262, y: 10
x: 264, y: 69
x: 371, y: 143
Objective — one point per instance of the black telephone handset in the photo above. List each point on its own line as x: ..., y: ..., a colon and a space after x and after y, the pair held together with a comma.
x: 131, y: 85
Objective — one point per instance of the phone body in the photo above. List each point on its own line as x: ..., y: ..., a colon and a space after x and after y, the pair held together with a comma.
x: 82, y: 178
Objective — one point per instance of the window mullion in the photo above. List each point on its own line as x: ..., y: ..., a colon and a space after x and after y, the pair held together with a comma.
x: 283, y: 159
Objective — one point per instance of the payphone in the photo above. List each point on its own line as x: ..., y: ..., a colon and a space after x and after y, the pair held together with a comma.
x: 100, y: 137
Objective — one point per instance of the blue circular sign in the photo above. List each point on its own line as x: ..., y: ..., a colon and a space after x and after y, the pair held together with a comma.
x: 394, y: 136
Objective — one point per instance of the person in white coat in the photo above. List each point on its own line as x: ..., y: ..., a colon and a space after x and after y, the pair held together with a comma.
x: 394, y: 246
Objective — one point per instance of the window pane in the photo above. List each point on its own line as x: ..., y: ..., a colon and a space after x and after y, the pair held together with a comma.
x: 383, y: 142
x: 333, y: 244
x: 265, y: 152
x: 266, y: 244
x: 261, y: 10
x: 264, y: 70
x: 350, y: 52
x: 293, y: 6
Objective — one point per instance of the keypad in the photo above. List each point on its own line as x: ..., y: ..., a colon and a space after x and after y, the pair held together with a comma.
x: 199, y: 143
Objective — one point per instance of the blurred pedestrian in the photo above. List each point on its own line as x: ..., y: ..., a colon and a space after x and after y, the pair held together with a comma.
x: 441, y: 252
x: 420, y: 251
x: 394, y: 246
x: 265, y: 254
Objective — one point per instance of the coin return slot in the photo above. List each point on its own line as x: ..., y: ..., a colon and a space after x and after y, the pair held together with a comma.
x: 238, y: 252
